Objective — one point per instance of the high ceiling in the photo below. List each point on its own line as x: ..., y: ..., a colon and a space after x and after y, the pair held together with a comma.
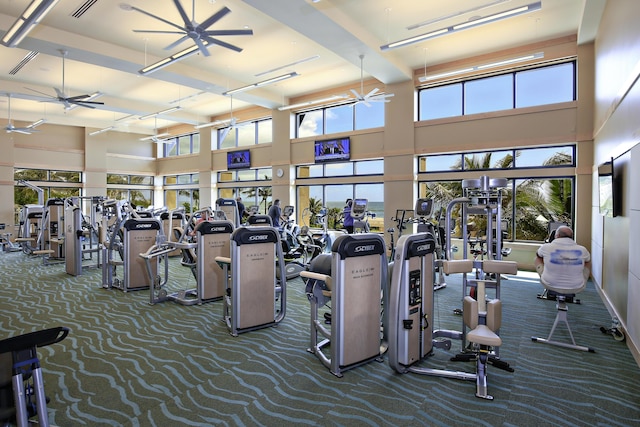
x: 321, y: 40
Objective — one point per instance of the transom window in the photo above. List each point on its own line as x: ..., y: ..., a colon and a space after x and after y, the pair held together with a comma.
x: 181, y: 145
x: 246, y: 134
x: 340, y: 118
x: 526, y: 88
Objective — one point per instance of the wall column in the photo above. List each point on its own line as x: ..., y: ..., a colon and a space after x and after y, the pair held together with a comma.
x: 399, y: 146
x: 7, y: 162
x: 281, y: 159
x: 95, y: 164
x: 207, y: 177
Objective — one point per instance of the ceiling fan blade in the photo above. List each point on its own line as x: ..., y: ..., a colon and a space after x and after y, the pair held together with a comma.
x: 202, y: 47
x: 224, y: 133
x: 373, y: 92
x: 41, y: 93
x: 80, y: 101
x: 78, y: 97
x: 213, y: 18
x: 59, y: 93
x: 356, y: 94
x: 381, y: 97
x: 182, y: 13
x: 158, y: 32
x: 81, y: 104
x: 228, y: 33
x: 211, y: 40
x: 157, y: 17
x: 177, y: 42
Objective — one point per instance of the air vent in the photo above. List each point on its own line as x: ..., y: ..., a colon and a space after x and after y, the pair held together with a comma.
x: 28, y: 57
x: 83, y: 8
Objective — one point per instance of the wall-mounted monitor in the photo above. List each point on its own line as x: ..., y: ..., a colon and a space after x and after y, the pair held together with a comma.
x: 332, y: 150
x: 238, y: 159
x: 609, y: 190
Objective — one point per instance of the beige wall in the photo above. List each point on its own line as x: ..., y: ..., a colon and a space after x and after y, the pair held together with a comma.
x: 616, y: 133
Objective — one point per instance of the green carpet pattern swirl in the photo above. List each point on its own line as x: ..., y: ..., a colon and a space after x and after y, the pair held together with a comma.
x: 127, y: 363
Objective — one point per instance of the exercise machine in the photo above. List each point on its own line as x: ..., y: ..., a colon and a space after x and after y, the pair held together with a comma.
x: 401, y: 218
x: 230, y: 209
x: 30, y: 225
x: 173, y: 223
x: 212, y: 239
x: 26, y: 374
x: 5, y: 240
x: 481, y: 198
x: 138, y: 235
x: 360, y: 215
x: 81, y: 238
x: 51, y: 235
x: 353, y: 279
x: 424, y: 209
x: 412, y: 336
x: 254, y: 296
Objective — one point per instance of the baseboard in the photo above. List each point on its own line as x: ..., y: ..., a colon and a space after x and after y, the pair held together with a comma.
x: 631, y: 345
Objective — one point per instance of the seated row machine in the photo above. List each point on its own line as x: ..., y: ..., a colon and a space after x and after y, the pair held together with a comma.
x: 352, y: 279
x: 212, y: 239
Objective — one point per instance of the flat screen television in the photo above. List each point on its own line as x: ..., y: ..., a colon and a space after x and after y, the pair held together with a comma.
x: 332, y: 150
x: 238, y: 159
x: 609, y: 197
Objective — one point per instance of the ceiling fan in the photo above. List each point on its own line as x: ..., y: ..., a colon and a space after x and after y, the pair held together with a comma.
x: 28, y: 130
x: 68, y: 101
x: 199, y: 33
x: 158, y: 138
x: 232, y: 123
x: 373, y: 95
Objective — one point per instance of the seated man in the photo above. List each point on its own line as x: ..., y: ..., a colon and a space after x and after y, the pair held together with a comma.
x: 562, y: 263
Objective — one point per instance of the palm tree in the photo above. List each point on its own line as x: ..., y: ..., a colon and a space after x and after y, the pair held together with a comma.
x: 315, y: 206
x: 265, y: 194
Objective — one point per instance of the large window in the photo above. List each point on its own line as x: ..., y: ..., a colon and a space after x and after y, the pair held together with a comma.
x: 47, y: 175
x: 529, y: 203
x: 181, y: 145
x: 362, y: 167
x: 252, y: 191
x: 137, y: 189
x: 312, y: 198
x: 251, y: 196
x: 53, y: 183
x: 526, y: 88
x: 547, y: 157
x: 182, y: 191
x: 340, y: 118
x: 246, y: 134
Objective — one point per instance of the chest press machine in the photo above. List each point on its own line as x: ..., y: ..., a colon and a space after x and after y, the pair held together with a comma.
x: 353, y: 285
x: 411, y: 332
x: 254, y: 296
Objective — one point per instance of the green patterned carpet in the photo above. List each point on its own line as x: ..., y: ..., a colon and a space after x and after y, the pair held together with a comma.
x: 126, y: 363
